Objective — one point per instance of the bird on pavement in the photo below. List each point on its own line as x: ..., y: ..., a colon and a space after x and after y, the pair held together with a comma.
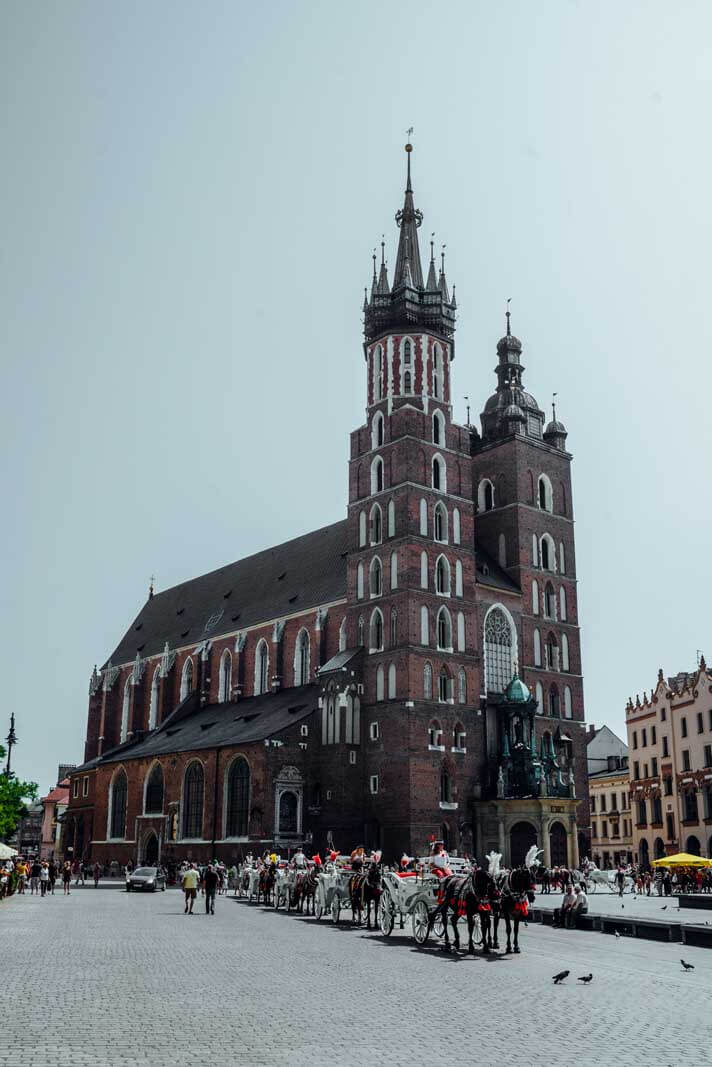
x: 687, y: 966
x: 664, y: 908
x: 560, y: 976
x: 586, y: 978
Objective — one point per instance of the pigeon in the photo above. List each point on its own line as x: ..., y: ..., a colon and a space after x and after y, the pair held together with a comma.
x: 586, y: 978
x: 664, y: 909
x: 560, y: 976
x: 686, y: 966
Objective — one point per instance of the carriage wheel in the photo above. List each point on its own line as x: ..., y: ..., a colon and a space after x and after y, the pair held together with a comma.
x: 335, y: 909
x: 438, y: 926
x: 421, y: 922
x: 318, y: 907
x: 477, y: 931
x: 386, y: 914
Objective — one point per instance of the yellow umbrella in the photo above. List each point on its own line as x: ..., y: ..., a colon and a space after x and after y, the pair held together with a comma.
x: 682, y: 859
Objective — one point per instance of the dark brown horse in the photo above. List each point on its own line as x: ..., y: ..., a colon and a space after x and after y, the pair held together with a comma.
x: 304, y: 890
x: 470, y: 896
x: 516, y: 890
x: 268, y: 876
x: 364, y: 890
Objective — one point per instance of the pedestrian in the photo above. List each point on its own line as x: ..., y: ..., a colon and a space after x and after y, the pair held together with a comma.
x: 35, y: 871
x: 44, y: 879
x: 190, y: 886
x: 620, y: 879
x: 52, y: 871
x: 21, y: 871
x: 97, y: 874
x: 211, y: 879
x: 66, y: 877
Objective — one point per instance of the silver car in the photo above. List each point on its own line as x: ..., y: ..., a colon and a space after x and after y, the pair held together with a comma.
x: 151, y: 878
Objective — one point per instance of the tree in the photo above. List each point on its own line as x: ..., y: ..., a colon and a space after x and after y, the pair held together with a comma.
x: 14, y: 795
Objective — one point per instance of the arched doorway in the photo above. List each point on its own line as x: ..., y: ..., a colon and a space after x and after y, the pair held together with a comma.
x: 558, y: 845
x: 693, y: 846
x: 521, y: 838
x: 150, y: 849
x: 643, y: 853
x: 659, y: 848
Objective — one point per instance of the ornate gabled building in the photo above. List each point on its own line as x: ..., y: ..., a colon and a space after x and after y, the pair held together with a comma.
x: 412, y: 670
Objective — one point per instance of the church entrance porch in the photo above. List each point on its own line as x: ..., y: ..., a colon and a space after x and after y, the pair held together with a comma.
x: 511, y: 826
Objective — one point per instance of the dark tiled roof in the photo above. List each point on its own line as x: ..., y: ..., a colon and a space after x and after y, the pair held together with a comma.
x: 341, y: 659
x: 300, y: 574
x: 489, y: 572
x: 217, y: 725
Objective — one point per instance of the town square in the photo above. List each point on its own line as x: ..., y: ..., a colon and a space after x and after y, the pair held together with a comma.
x: 355, y: 622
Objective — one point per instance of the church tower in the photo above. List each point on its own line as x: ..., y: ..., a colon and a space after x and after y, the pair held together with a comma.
x: 410, y: 567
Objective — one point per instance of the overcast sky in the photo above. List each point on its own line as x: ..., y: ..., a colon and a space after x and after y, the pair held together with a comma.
x: 191, y: 193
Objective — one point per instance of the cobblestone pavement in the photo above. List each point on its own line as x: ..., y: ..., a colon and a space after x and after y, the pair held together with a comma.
x: 114, y: 978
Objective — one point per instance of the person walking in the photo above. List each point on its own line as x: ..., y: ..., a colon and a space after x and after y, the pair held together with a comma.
x: 97, y: 874
x: 44, y: 879
x: 211, y: 879
x: 35, y: 871
x: 21, y: 871
x: 620, y: 879
x: 66, y: 877
x: 52, y: 873
x: 190, y: 886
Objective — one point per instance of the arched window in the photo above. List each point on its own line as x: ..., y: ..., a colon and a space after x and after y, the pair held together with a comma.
x: 500, y: 649
x: 564, y: 653
x: 458, y: 578
x: 485, y: 495
x: 423, y: 519
x: 440, y: 522
x: 361, y: 628
x: 545, y: 493
x: 456, y: 526
x: 342, y: 635
x: 126, y: 704
x: 117, y: 818
x: 435, y: 734
x: 445, y: 787
x: 237, y: 806
x: 359, y: 580
x: 380, y: 683
x: 407, y: 353
x: 407, y: 383
x: 193, y: 787
x: 377, y: 475
x: 444, y: 630
x: 423, y: 570
x: 535, y: 551
x: 535, y: 597
x: 225, y: 677
x: 502, y: 547
x: 562, y: 558
x: 539, y: 698
x: 375, y: 577
x: 353, y: 721
x: 562, y: 603
x: 391, y: 519
x: 376, y: 631
x: 261, y: 668
x: 394, y: 570
x: 394, y: 627
x: 302, y: 658
x: 427, y: 682
x: 330, y: 720
x: 439, y: 474
x: 392, y: 682
x: 378, y: 373
x: 153, y: 705
x: 537, y: 649
x: 362, y: 529
x: 551, y: 653
x: 461, y: 688
x: 377, y: 430
x: 186, y: 679
x: 288, y: 812
x: 424, y: 626
x: 568, y: 710
x: 549, y: 601
x: 459, y: 734
x: 547, y: 552
x: 438, y: 428
x: 376, y: 525
x: 554, y: 710
x: 153, y: 803
x: 460, y: 632
x: 437, y: 372
x: 442, y: 576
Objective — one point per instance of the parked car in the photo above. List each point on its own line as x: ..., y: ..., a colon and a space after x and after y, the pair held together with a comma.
x: 146, y: 878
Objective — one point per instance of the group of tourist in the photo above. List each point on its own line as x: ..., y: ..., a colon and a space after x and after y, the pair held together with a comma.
x: 20, y: 874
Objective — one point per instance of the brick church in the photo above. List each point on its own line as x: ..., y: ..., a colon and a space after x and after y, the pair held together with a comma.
x: 411, y: 670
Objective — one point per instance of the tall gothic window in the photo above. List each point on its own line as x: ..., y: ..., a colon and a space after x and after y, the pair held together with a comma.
x: 444, y: 630
x: 394, y: 628
x: 301, y: 660
x: 499, y: 651
x: 261, y: 668
x: 225, y: 682
x: 193, y: 786
x: 154, y: 791
x: 442, y: 575
x: 238, y: 798
x: 376, y: 631
x: 407, y: 383
x: 376, y: 525
x: 440, y: 522
x: 153, y: 705
x: 377, y: 475
x: 376, y: 577
x: 119, y: 792
x: 186, y: 679
x: 125, y: 711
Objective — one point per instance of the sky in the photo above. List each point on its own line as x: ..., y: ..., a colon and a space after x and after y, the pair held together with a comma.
x: 190, y: 195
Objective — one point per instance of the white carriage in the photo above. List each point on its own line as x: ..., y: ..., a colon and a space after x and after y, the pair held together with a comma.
x: 606, y: 881
x: 414, y: 896
x: 332, y: 891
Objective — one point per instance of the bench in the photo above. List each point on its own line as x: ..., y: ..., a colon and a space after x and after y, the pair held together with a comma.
x: 697, y: 935
x: 650, y: 929
x: 695, y: 900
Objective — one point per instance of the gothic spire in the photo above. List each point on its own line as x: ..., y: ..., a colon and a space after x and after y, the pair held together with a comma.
x: 442, y: 283
x: 408, y: 220
x: 432, y: 283
x: 383, y: 287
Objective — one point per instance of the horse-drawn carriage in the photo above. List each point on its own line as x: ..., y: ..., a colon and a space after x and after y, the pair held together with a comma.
x: 415, y: 895
x: 332, y: 890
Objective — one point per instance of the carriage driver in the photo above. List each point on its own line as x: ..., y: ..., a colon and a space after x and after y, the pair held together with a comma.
x: 357, y: 857
x: 299, y: 860
x: 439, y: 860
